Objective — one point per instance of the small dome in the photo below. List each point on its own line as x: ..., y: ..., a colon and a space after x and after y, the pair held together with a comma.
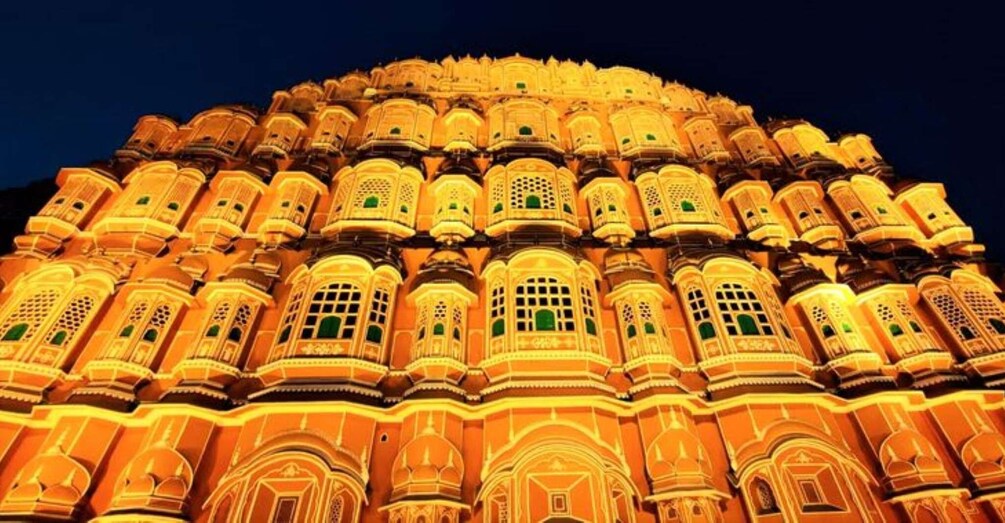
x: 462, y: 165
x: 446, y: 265
x: 856, y: 273
x: 730, y: 176
x: 676, y: 456
x: 796, y: 276
x: 194, y: 265
x: 172, y: 275
x: 268, y: 262
x: 593, y: 168
x: 625, y: 265
x: 249, y: 275
x: 315, y: 167
x: 428, y: 465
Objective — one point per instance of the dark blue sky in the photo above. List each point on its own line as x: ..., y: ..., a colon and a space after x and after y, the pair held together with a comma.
x: 927, y: 82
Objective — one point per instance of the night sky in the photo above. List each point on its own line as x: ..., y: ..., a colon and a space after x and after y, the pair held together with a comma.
x: 927, y: 83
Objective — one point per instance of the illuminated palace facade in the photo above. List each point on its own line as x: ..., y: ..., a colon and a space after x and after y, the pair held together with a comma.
x: 498, y: 290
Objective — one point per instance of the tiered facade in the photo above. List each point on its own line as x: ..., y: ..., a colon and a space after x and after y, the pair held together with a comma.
x: 498, y: 291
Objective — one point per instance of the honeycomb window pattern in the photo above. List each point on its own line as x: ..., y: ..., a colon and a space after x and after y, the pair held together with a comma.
x: 372, y: 195
x: 914, y: 323
x: 332, y: 312
x: 544, y: 304
x: 532, y: 192
x: 949, y: 309
x: 987, y: 309
x: 66, y: 329
x: 687, y: 202
x: 21, y: 324
x: 654, y: 206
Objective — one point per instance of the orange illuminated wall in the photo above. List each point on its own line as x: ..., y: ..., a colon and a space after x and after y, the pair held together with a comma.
x: 498, y: 290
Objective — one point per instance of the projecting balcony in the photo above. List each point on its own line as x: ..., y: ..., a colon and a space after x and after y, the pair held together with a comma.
x: 505, y: 220
x: 202, y: 381
x: 561, y: 361
x: 111, y: 383
x: 932, y: 368
x: 859, y: 371
x: 370, y: 221
x: 327, y: 375
x: 769, y: 370
x: 25, y: 384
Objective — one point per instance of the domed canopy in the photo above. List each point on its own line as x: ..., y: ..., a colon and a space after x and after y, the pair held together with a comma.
x: 427, y: 467
x: 796, y: 275
x: 446, y: 265
x: 593, y: 168
x: 626, y: 265
x: 172, y: 275
x: 856, y: 273
x: 315, y: 167
x: 730, y: 176
x: 461, y: 164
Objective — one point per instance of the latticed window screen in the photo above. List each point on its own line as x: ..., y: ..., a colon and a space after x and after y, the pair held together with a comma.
x: 654, y: 204
x: 498, y: 195
x: 335, y: 512
x: 406, y: 198
x: 22, y: 323
x: 822, y: 321
x: 685, y: 200
x: 136, y: 315
x: 332, y: 312
x: 649, y: 322
x: 947, y: 307
x: 544, y: 304
x: 699, y: 307
x: 889, y: 320
x: 439, y: 319
x: 158, y: 320
x: 241, y: 320
x: 70, y: 321
x: 497, y: 310
x: 532, y: 192
x: 628, y: 319
x: 742, y: 311
x: 909, y: 314
x: 292, y: 309
x: 458, y: 323
x: 568, y: 202
x: 987, y: 308
x: 373, y: 193
x: 219, y: 319
x: 589, y: 308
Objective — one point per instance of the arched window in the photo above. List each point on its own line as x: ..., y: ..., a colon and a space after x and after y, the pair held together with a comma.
x: 525, y: 130
x: 213, y: 331
x: 544, y: 320
x: 371, y: 202
x: 332, y: 313
x: 895, y: 329
x: 544, y: 303
x: 742, y: 311
x: 748, y: 327
x: 234, y: 334
x: 763, y: 497
x: 687, y: 206
x: 533, y: 201
x: 15, y: 332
